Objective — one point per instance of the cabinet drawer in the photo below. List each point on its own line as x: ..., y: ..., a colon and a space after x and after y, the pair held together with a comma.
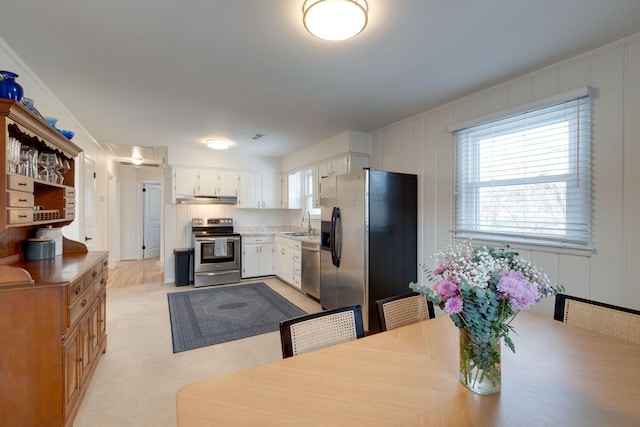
x: 81, y: 304
x: 101, y: 282
x: 19, y: 216
x: 252, y: 240
x: 75, y: 290
x: 69, y: 213
x: 69, y: 192
x: 18, y: 199
x: 92, y: 274
x: 69, y: 203
x: 19, y: 183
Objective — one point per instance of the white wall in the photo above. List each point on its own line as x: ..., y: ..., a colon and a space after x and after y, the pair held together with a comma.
x: 423, y: 145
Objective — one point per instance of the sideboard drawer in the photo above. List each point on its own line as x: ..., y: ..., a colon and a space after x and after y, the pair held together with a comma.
x: 18, y: 199
x: 19, y: 216
x: 74, y: 290
x: 81, y: 304
x: 19, y: 183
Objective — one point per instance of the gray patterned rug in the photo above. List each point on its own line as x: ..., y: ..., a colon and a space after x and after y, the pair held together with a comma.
x: 220, y: 314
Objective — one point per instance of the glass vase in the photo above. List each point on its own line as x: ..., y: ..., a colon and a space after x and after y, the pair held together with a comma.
x: 480, y: 362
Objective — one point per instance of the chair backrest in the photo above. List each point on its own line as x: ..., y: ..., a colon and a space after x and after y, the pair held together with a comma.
x: 318, y: 330
x: 605, y: 318
x: 400, y: 310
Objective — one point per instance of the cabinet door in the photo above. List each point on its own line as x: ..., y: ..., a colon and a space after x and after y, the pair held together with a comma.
x: 185, y: 181
x: 250, y: 261
x: 294, y: 190
x: 271, y: 191
x: 340, y: 166
x: 71, y: 370
x: 208, y: 182
x: 94, y: 330
x: 266, y: 259
x: 102, y: 317
x: 228, y: 183
x: 248, y: 197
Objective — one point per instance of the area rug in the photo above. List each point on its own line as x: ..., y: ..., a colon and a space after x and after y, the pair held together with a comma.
x: 219, y: 314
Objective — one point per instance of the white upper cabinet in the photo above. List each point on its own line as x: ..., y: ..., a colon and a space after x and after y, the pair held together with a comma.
x: 189, y: 182
x: 186, y: 181
x: 293, y: 191
x: 337, y: 166
x: 208, y: 182
x: 259, y: 191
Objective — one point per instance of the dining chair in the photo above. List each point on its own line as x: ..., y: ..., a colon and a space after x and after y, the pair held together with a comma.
x: 400, y: 310
x: 597, y: 316
x: 318, y: 330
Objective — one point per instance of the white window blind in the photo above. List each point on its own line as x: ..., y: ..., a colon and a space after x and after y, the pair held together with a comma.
x: 527, y: 177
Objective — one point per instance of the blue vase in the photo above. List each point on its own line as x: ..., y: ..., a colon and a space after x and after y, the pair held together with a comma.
x: 9, y: 88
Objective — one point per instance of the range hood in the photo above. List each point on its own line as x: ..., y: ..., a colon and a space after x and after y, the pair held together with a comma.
x: 206, y: 200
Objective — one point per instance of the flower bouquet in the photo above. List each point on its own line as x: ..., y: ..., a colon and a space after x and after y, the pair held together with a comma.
x: 482, y: 289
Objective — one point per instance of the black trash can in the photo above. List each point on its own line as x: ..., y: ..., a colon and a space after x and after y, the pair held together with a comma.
x: 183, y: 265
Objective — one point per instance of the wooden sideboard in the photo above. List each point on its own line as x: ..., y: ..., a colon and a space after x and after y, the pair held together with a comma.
x: 52, y: 311
x: 52, y: 334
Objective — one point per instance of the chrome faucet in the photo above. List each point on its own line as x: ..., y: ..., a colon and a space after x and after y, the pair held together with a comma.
x: 309, y: 229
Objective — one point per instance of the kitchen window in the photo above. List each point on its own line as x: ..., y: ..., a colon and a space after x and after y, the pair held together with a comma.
x: 308, y: 193
x: 526, y: 177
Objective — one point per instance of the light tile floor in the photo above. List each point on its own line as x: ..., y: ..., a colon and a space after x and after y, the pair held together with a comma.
x: 137, y: 379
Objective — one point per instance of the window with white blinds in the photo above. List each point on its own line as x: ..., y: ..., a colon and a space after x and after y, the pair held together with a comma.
x: 527, y: 177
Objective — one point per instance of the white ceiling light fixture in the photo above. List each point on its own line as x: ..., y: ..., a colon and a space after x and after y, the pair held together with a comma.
x: 137, y: 161
x: 218, y: 144
x: 335, y: 20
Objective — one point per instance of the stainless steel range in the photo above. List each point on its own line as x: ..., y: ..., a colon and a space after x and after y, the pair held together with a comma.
x: 216, y: 251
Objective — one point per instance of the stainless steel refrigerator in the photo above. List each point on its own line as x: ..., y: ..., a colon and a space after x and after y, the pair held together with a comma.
x: 369, y: 248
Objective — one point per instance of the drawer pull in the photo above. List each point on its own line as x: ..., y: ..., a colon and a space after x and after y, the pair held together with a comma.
x: 22, y: 216
x: 22, y: 184
x: 77, y: 290
x: 83, y: 303
x: 93, y: 337
x: 102, y: 281
x: 79, y: 359
x: 22, y: 200
x: 94, y: 274
x: 101, y: 321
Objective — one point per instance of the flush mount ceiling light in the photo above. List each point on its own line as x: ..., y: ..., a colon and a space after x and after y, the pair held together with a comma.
x: 335, y: 19
x: 218, y: 144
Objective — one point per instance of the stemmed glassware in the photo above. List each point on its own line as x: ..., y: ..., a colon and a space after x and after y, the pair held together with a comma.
x: 13, y: 154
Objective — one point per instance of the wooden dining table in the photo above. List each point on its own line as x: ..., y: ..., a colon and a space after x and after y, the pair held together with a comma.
x: 560, y: 375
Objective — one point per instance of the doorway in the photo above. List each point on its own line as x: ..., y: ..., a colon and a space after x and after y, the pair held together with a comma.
x: 152, y: 220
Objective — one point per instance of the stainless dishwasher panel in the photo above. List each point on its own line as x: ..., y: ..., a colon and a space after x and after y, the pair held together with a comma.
x: 311, y: 269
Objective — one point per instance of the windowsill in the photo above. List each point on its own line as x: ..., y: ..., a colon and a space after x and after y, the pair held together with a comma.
x: 523, y: 244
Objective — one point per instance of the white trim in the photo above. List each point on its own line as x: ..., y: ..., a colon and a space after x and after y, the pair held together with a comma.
x: 520, y: 109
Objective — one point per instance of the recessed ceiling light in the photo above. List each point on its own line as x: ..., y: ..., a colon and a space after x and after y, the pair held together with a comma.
x: 218, y: 144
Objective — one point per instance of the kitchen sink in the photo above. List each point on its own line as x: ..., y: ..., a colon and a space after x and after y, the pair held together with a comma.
x: 294, y: 233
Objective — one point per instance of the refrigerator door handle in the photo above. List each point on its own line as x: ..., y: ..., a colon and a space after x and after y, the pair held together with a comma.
x: 336, y: 236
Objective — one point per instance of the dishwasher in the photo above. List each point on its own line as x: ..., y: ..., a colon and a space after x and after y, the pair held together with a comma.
x: 311, y: 269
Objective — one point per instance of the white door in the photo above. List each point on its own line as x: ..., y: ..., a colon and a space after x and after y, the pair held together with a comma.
x: 89, y: 201
x: 152, y: 206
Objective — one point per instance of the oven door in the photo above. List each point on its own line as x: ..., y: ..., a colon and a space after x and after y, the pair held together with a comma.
x: 216, y: 253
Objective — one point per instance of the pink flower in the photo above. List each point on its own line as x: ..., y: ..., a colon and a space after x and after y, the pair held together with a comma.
x: 441, y: 269
x: 520, y: 292
x: 453, y: 305
x: 446, y: 289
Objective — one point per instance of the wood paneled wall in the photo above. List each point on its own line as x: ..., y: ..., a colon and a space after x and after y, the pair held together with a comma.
x: 423, y: 145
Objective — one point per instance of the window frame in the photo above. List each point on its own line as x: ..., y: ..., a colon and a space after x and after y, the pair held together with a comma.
x: 470, y: 207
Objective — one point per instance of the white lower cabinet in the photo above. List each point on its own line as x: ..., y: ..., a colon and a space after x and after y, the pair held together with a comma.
x: 288, y: 253
x: 257, y: 256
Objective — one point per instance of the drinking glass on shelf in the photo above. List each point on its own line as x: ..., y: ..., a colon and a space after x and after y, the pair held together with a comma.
x: 13, y: 154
